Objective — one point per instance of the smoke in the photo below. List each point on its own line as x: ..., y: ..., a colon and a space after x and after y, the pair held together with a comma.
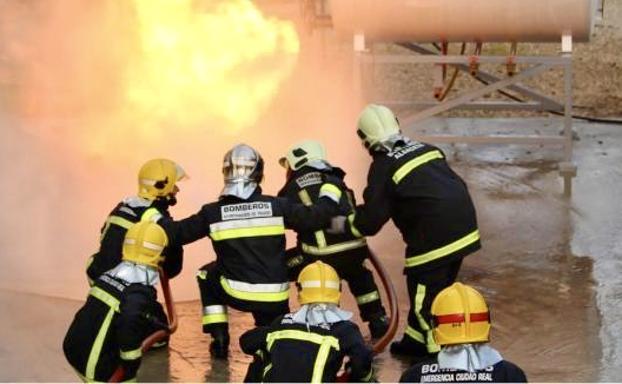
x: 73, y: 140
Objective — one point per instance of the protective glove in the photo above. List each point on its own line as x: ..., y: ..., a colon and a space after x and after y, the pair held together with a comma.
x: 337, y: 225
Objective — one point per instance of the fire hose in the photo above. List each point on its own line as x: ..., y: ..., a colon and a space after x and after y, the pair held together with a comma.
x: 157, y: 335
x: 394, y: 316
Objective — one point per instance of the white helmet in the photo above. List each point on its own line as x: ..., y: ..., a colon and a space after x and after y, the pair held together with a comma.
x: 242, y: 169
x: 305, y: 153
x: 377, y: 124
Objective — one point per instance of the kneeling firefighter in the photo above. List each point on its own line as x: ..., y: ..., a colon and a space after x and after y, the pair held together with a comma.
x: 462, y: 328
x: 247, y: 229
x: 307, y: 169
x: 121, y: 310
x: 310, y: 345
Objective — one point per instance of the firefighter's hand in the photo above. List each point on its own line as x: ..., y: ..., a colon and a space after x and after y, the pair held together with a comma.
x: 337, y: 225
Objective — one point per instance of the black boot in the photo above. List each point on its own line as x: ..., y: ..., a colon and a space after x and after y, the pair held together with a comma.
x: 407, y: 347
x: 378, y: 325
x: 219, y: 347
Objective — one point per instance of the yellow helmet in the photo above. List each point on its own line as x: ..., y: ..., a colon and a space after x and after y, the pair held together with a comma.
x: 376, y: 124
x: 157, y: 178
x: 319, y: 283
x: 460, y: 316
x: 143, y: 243
x: 303, y: 153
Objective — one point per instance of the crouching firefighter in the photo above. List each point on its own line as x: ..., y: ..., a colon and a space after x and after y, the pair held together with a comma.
x: 307, y: 170
x: 310, y: 345
x: 247, y: 230
x: 462, y: 328
x: 121, y: 310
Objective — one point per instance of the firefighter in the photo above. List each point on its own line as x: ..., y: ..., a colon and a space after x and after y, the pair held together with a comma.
x: 157, y: 190
x: 462, y: 328
x: 247, y: 229
x: 310, y: 345
x: 411, y: 183
x: 121, y: 310
x: 307, y: 169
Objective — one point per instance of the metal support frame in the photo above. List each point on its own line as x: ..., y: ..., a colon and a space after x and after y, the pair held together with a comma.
x: 469, y: 99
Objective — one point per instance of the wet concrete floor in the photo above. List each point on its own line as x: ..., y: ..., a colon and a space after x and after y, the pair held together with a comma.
x: 549, y: 268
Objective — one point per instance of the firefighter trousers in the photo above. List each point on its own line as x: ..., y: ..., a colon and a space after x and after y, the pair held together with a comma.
x: 423, y: 287
x: 215, y: 299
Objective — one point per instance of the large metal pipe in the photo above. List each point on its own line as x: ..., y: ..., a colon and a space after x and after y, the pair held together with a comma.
x: 426, y: 21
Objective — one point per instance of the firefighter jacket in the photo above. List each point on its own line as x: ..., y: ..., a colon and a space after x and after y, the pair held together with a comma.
x: 309, y: 354
x: 429, y: 372
x: 248, y: 237
x: 107, y: 332
x: 120, y: 219
x: 428, y: 202
x: 303, y: 186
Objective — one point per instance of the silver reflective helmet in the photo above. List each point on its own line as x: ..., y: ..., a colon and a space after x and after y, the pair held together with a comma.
x: 242, y: 169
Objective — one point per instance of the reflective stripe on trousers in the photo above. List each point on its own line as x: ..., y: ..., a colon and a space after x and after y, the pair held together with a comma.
x: 443, y: 251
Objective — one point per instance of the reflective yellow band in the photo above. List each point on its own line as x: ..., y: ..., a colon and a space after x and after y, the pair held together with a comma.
x: 353, y: 229
x: 414, y: 334
x: 414, y: 163
x: 331, y: 191
x: 121, y: 222
x: 248, y: 232
x: 96, y: 348
x: 267, y: 369
x: 105, y: 297
x: 132, y: 355
x: 306, y: 200
x: 333, y: 248
x: 296, y: 334
x: 367, y: 298
x: 151, y: 214
x: 325, y: 343
x: 254, y: 296
x: 202, y: 274
x: 215, y: 318
x: 443, y: 251
x: 418, y: 305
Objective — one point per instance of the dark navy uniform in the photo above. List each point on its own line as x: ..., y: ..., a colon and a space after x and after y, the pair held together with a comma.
x: 126, y: 213
x: 248, y: 237
x: 429, y: 372
x: 431, y: 206
x: 344, y: 252
x: 107, y: 332
x: 308, y: 354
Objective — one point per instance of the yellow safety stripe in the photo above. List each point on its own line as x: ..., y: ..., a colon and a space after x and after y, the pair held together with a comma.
x: 120, y: 221
x: 333, y: 248
x: 330, y: 190
x: 353, y: 229
x: 325, y: 342
x: 215, y: 318
x: 97, y: 345
x: 132, y: 355
x: 267, y: 369
x: 149, y: 214
x: 367, y: 298
x: 443, y: 251
x: 226, y: 234
x: 105, y: 297
x: 202, y: 274
x: 415, y: 334
x: 368, y: 377
x: 254, y: 296
x: 301, y: 335
x: 418, y: 305
x: 414, y: 163
x: 306, y: 200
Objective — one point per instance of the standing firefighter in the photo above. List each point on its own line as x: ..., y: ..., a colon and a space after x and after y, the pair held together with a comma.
x: 157, y: 190
x: 309, y: 345
x: 120, y: 311
x: 247, y: 230
x: 411, y: 183
x: 307, y: 170
x: 462, y: 329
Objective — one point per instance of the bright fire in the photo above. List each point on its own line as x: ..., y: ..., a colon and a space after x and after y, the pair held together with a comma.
x: 207, y: 60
